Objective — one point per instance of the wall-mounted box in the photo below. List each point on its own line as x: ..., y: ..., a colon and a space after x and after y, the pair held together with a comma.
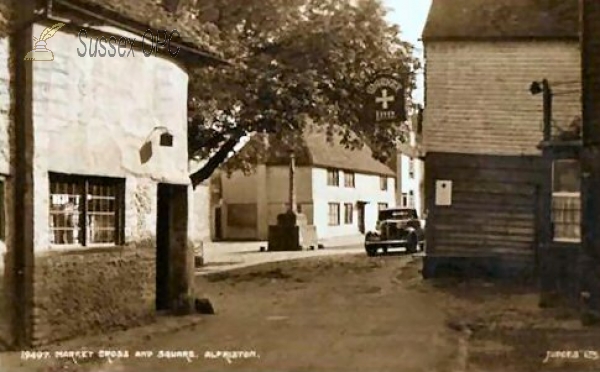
x: 443, y: 192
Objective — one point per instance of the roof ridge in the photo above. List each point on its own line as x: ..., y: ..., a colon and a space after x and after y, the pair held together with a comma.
x: 481, y: 19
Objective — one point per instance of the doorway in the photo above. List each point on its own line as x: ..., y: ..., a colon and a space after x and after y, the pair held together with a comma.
x: 163, y: 222
x: 218, y: 224
x: 172, y: 255
x: 360, y: 210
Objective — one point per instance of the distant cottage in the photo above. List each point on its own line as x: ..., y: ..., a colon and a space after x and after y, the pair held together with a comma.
x: 94, y: 179
x: 488, y: 186
x: 339, y: 190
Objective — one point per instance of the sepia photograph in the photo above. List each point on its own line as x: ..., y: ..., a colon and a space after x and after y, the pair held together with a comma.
x: 300, y: 185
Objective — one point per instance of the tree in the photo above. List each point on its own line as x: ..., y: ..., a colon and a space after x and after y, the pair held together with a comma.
x: 293, y: 62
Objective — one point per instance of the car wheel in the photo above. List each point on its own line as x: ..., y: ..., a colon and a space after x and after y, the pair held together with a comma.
x: 371, y: 252
x: 412, y: 245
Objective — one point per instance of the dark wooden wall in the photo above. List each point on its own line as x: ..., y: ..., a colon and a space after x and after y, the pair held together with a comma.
x: 495, y: 209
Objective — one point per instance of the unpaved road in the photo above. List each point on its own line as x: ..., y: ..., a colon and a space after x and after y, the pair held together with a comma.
x: 350, y: 313
x: 341, y: 313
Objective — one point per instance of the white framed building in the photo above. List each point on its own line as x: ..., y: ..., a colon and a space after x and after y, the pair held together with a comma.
x: 410, y: 169
x: 339, y: 190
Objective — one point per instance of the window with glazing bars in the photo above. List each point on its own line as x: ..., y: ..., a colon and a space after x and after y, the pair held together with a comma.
x: 333, y: 177
x: 349, y: 179
x: 566, y: 200
x: 348, y: 213
x: 86, y: 211
x: 334, y: 214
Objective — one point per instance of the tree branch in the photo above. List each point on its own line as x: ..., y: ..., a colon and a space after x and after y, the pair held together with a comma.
x: 216, y: 160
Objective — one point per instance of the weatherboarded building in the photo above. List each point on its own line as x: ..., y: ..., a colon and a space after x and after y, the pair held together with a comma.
x: 486, y: 181
x: 339, y: 190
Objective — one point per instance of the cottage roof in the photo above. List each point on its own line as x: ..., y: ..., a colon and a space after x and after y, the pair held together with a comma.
x: 151, y: 14
x: 315, y: 150
x: 502, y: 19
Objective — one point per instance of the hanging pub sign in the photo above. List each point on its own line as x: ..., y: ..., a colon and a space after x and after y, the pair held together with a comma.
x: 385, y: 101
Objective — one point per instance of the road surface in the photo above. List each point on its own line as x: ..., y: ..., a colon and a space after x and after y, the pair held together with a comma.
x: 339, y: 313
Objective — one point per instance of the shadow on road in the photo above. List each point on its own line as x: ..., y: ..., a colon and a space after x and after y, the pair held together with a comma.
x: 502, y: 319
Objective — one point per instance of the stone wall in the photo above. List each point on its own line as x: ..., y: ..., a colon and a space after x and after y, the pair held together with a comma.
x: 93, y: 291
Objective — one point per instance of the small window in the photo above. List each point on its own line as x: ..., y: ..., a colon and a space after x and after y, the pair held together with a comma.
x: 86, y: 211
x: 382, y: 206
x: 383, y: 183
x: 411, y: 168
x: 411, y: 199
x: 333, y: 177
x: 349, y: 179
x: 404, y: 199
x: 348, y: 213
x: 566, y: 201
x: 566, y: 176
x: 334, y: 214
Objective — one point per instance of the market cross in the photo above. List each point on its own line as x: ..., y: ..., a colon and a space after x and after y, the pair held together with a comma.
x: 384, y: 99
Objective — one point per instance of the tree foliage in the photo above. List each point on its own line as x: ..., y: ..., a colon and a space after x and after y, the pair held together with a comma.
x: 294, y: 62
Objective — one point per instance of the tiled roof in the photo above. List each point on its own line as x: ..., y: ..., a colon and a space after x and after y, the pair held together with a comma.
x: 473, y: 19
x: 150, y: 13
x: 335, y: 155
x: 315, y: 150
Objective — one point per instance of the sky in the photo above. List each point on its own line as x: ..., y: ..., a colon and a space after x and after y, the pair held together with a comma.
x: 410, y: 15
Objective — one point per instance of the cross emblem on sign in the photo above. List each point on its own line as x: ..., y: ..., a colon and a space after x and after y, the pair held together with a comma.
x: 384, y: 99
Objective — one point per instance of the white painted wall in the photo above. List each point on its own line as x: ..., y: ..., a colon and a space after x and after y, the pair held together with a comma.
x: 238, y: 188
x: 4, y: 107
x: 367, y: 189
x: 199, y: 230
x: 408, y: 183
x: 268, y: 189
x: 92, y: 115
x: 5, y: 123
x: 278, y: 182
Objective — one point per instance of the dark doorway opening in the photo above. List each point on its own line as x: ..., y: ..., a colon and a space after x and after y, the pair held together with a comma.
x: 360, y: 209
x: 163, y: 222
x: 218, y: 224
x: 173, y: 259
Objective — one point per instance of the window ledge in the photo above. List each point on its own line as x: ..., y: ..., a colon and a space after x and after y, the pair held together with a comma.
x: 558, y: 143
x: 74, y: 250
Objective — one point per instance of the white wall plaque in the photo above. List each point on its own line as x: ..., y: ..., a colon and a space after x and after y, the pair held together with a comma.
x: 443, y: 192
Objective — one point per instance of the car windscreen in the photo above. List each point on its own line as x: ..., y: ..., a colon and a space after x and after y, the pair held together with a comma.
x: 397, y: 214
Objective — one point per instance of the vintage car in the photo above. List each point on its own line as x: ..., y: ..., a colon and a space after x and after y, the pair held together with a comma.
x: 396, y: 228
